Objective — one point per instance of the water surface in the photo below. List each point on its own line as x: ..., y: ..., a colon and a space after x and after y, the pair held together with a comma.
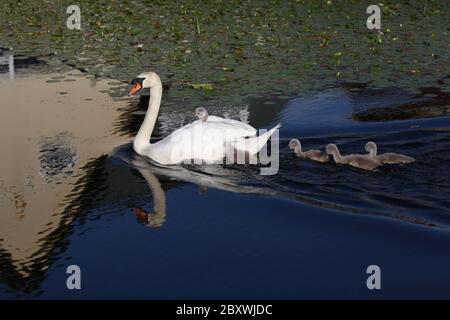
x: 74, y: 192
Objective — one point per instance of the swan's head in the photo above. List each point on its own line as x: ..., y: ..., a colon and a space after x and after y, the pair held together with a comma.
x: 331, y: 148
x: 201, y: 113
x: 371, y: 146
x: 144, y: 80
x: 294, y: 143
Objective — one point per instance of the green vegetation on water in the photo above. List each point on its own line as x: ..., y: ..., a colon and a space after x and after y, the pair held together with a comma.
x: 226, y: 49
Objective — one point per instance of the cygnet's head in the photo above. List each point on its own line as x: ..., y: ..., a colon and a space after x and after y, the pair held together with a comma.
x: 201, y: 113
x: 331, y: 148
x: 371, y: 146
x: 144, y: 80
x: 294, y: 143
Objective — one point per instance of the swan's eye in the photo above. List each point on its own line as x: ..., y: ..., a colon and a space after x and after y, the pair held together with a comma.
x: 137, y: 80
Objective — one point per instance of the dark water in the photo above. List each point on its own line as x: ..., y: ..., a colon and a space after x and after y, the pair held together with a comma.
x: 225, y: 231
x: 76, y: 193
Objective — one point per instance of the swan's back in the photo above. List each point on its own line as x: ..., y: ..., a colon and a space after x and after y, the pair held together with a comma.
x: 197, y: 140
x: 361, y: 161
x: 315, y: 155
x: 251, y: 132
x: 394, y: 158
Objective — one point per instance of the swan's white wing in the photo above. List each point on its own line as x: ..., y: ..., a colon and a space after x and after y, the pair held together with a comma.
x: 251, y: 132
x: 254, y: 144
x: 233, y: 129
x: 206, y: 140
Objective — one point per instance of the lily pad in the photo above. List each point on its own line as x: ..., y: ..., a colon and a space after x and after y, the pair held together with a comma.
x: 201, y: 86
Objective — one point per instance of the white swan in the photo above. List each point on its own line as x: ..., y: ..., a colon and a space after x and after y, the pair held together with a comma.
x: 209, y: 141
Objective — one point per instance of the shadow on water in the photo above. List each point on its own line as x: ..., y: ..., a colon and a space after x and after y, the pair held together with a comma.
x: 431, y: 102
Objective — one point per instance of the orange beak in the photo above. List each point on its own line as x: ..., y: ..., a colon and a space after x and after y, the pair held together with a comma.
x: 141, y: 215
x: 134, y: 89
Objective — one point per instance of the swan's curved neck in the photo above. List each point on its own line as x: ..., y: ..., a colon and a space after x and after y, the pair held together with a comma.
x: 142, y: 139
x: 159, y: 199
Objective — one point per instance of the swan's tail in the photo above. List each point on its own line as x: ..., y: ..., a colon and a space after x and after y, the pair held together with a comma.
x: 254, y: 144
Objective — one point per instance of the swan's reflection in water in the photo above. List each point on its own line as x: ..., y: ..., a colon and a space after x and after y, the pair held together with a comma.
x: 204, y: 177
x: 158, y: 216
x: 317, y: 185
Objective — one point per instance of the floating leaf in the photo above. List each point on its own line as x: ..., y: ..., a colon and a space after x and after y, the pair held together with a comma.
x: 337, y: 54
x: 238, y: 51
x: 201, y: 86
x: 197, y: 26
x: 135, y: 31
x: 376, y: 68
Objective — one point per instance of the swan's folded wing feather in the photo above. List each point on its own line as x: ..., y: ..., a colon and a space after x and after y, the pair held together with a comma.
x: 251, y: 132
x: 199, y: 132
x: 254, y: 144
